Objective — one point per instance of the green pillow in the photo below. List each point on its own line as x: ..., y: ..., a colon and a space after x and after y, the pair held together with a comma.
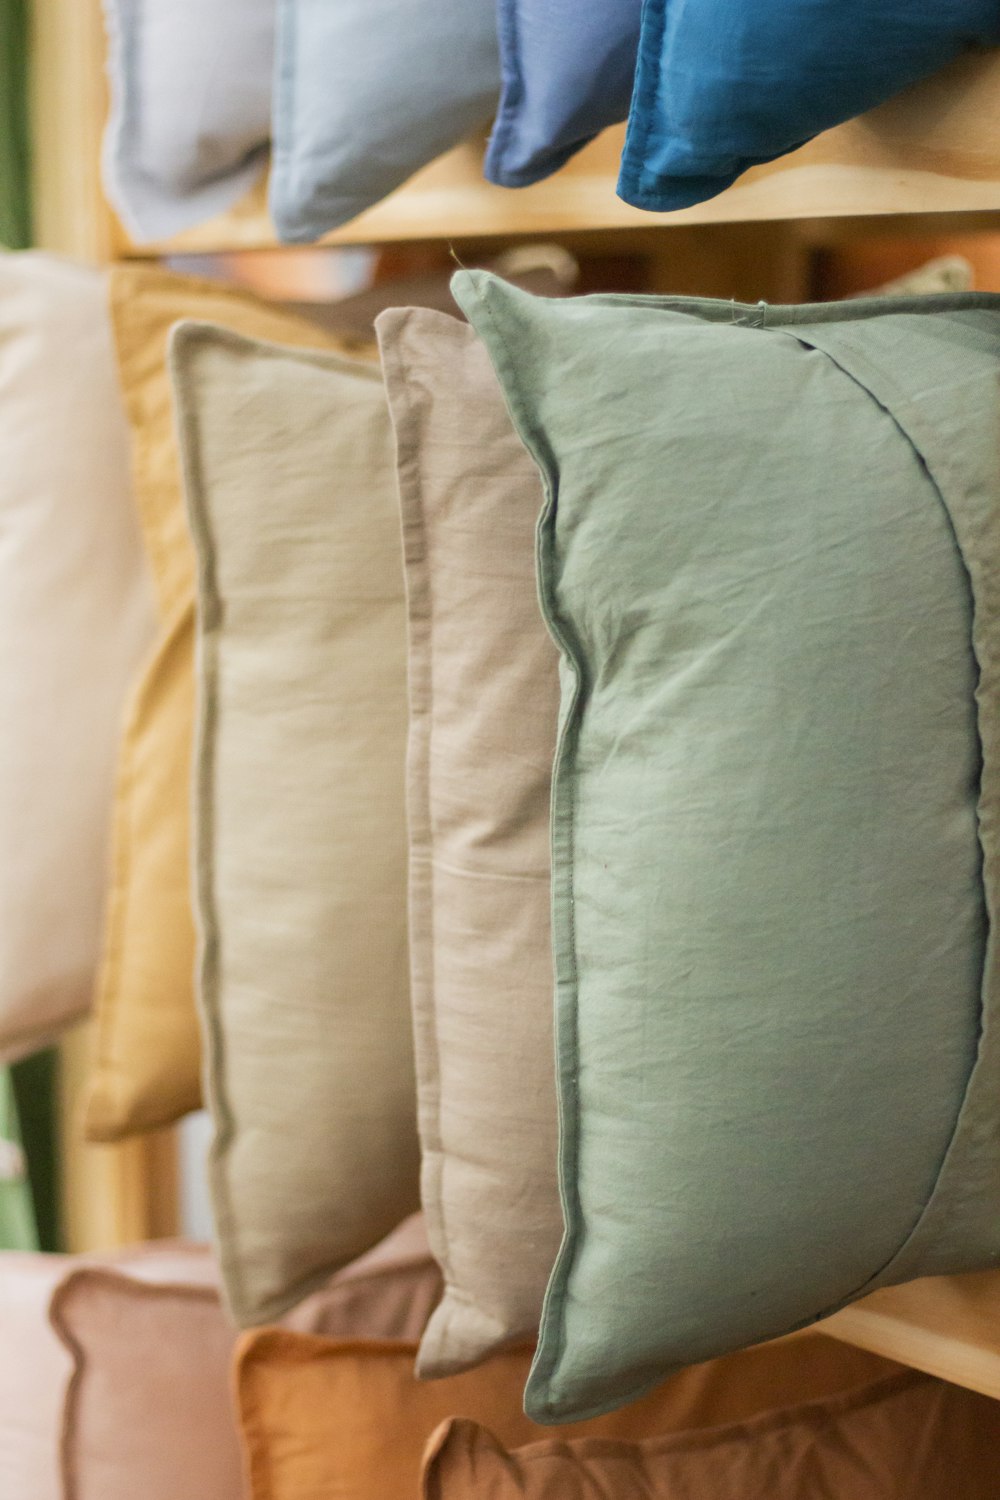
x: 771, y: 559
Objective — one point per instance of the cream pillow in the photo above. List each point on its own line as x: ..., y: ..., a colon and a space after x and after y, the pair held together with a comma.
x: 75, y: 616
x: 299, y: 808
x: 484, y: 701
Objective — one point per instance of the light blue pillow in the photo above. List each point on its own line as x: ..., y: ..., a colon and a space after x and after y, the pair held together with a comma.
x: 724, y: 84
x: 367, y: 92
x: 567, y: 70
x: 190, y: 118
x: 771, y: 559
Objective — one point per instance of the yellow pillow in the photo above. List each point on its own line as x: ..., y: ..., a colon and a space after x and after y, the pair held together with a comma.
x: 147, y: 1066
x: 323, y: 1418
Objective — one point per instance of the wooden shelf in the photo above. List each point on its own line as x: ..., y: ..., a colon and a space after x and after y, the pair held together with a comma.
x: 946, y: 1325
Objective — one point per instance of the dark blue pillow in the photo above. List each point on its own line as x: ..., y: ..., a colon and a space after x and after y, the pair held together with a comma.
x: 724, y: 84
x: 568, y: 67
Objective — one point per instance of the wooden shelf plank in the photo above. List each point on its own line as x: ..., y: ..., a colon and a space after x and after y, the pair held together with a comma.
x: 933, y: 149
x: 946, y: 1325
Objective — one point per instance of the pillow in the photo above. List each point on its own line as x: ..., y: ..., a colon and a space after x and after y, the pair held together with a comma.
x: 146, y: 1059
x: 299, y: 809
x: 905, y: 1436
x: 190, y: 108
x: 368, y: 92
x: 35, y: 1367
x: 484, y: 694
x: 321, y: 1418
x: 768, y: 556
x: 724, y: 84
x: 567, y: 72
x: 75, y: 616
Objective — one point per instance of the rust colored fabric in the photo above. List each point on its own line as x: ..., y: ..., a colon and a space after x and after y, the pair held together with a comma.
x: 324, y: 1419
x: 904, y: 1437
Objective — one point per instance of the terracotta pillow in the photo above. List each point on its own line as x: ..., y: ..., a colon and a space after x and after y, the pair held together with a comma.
x: 905, y: 1437
x: 300, y: 816
x: 321, y: 1418
x: 479, y: 784
x: 149, y: 1409
x: 75, y: 618
x: 147, y: 1057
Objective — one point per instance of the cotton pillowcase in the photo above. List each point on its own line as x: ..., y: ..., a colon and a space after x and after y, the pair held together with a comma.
x: 725, y: 84
x: 769, y: 557
x: 367, y: 93
x: 299, y: 809
x: 75, y: 618
x: 322, y: 1417
x: 190, y: 108
x: 145, y: 1067
x: 864, y: 1444
x: 484, y: 694
x: 567, y: 72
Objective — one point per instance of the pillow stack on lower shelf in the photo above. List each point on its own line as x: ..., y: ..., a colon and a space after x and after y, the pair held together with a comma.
x: 642, y: 651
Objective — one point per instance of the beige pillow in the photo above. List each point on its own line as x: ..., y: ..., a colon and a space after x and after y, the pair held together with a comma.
x: 904, y: 1437
x: 484, y: 697
x: 300, y: 822
x: 146, y: 1068
x: 75, y: 617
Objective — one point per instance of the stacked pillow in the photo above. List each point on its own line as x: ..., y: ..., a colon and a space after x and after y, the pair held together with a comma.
x: 762, y: 629
x: 365, y: 95
x: 321, y: 1417
x: 759, y: 615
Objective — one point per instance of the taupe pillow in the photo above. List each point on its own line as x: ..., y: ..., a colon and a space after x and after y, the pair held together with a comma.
x: 484, y: 703
x: 300, y: 834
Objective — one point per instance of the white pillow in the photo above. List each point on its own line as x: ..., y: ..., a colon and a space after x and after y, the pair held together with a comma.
x: 76, y: 613
x: 190, y: 108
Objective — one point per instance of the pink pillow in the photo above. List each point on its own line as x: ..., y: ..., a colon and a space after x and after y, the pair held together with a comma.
x: 148, y: 1411
x: 35, y: 1368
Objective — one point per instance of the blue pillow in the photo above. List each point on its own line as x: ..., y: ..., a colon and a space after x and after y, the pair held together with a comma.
x: 366, y: 93
x: 722, y: 85
x: 567, y: 70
